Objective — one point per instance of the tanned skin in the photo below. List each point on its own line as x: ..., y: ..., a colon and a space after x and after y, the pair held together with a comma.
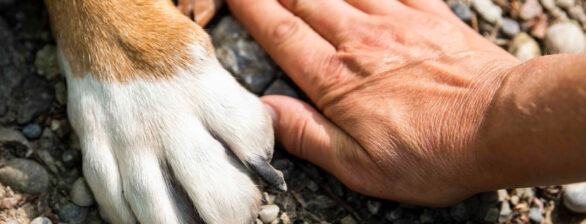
x: 413, y: 105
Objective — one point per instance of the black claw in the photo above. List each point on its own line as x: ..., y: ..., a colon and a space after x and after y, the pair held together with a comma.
x: 268, y: 173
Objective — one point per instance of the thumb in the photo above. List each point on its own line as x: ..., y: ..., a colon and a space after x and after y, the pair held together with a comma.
x: 307, y: 134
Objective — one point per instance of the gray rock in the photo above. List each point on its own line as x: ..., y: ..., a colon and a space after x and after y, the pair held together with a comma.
x: 81, y: 194
x: 492, y: 215
x: 61, y: 93
x: 280, y: 87
x: 320, y: 202
x: 524, y: 47
x: 13, y: 139
x: 548, y: 4
x: 535, y: 215
x: 530, y: 9
x: 32, y: 131
x: 348, y: 220
x: 373, y: 206
x: 577, y: 13
x: 575, y: 197
x: 461, y: 10
x: 510, y: 27
x: 268, y: 213
x: 394, y: 214
x: 73, y: 214
x: 564, y: 38
x: 488, y: 10
x: 565, y: 3
x: 41, y: 220
x: 242, y: 56
x: 25, y: 175
x: 505, y: 213
x: 71, y: 157
x: 46, y: 62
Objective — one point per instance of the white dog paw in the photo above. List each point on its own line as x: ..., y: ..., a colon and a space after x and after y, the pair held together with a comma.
x: 159, y: 151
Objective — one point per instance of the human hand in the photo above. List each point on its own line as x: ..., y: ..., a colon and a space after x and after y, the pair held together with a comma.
x: 403, y: 87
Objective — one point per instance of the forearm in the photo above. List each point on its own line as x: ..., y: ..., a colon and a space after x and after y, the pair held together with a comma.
x: 534, y: 132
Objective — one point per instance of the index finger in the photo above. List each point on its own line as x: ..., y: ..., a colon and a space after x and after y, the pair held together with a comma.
x: 298, y: 49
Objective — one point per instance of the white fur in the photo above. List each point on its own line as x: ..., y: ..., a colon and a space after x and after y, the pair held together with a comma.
x: 138, y: 135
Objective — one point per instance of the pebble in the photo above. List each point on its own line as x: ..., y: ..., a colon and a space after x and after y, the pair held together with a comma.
x: 73, y: 214
x: 488, y: 10
x: 61, y: 93
x: 575, y: 197
x: 505, y: 213
x: 535, y: 215
x: 577, y: 13
x: 565, y: 3
x: 564, y: 38
x: 32, y: 131
x: 81, y: 194
x: 10, y: 138
x: 242, y: 56
x: 25, y: 175
x: 268, y: 213
x: 348, y: 220
x: 548, y: 4
x: 394, y: 214
x: 280, y: 87
x: 462, y: 211
x: 373, y: 206
x: 71, y: 157
x: 530, y: 9
x: 510, y: 27
x: 41, y: 220
x: 526, y: 194
x: 46, y: 62
x: 524, y: 47
x: 461, y: 10
x: 492, y: 215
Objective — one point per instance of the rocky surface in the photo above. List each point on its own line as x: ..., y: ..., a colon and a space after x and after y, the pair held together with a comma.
x: 40, y: 162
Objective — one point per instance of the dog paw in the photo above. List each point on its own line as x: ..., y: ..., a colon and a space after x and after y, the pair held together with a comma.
x: 161, y: 151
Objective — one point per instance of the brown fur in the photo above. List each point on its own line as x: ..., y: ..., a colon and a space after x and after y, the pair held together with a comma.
x: 121, y: 40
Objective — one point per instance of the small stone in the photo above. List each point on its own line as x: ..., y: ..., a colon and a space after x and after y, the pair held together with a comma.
x: 530, y: 10
x: 492, y: 215
x: 348, y: 220
x: 461, y: 10
x: 526, y: 194
x: 242, y: 56
x: 535, y: 215
x: 575, y: 197
x: 72, y: 214
x: 503, y: 195
x: 548, y: 4
x: 321, y: 202
x: 510, y: 27
x: 46, y: 62
x: 61, y: 93
x: 285, y: 218
x: 81, y: 194
x: 373, y: 206
x: 426, y: 217
x: 280, y: 87
x: 10, y: 138
x: 505, y: 213
x: 41, y: 220
x: 577, y: 13
x: 540, y: 26
x: 565, y: 3
x: 565, y: 38
x: 515, y: 199
x: 394, y: 214
x: 71, y: 157
x: 268, y: 213
x: 524, y: 47
x: 488, y: 10
x: 25, y: 175
x: 32, y: 131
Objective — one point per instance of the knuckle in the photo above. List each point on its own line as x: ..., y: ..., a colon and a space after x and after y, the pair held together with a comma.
x: 285, y: 30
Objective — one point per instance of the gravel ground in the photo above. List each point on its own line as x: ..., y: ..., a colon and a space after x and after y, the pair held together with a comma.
x: 40, y: 175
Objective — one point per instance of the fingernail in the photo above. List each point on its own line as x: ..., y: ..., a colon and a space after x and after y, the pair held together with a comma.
x: 273, y: 114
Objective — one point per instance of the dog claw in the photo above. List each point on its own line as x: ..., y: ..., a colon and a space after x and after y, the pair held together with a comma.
x: 269, y: 174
